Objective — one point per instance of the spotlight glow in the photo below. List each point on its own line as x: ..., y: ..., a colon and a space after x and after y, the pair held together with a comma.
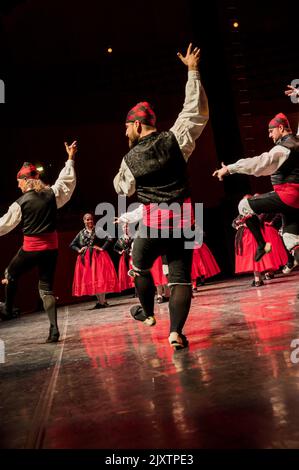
x: 235, y: 24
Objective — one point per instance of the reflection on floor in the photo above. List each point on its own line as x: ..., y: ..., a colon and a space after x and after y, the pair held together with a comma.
x: 114, y: 383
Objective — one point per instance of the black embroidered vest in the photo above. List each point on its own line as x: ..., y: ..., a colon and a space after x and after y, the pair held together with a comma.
x: 288, y: 172
x: 159, y: 169
x: 39, y: 211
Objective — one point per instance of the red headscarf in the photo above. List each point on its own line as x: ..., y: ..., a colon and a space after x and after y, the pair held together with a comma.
x: 28, y: 170
x: 142, y: 112
x: 279, y: 119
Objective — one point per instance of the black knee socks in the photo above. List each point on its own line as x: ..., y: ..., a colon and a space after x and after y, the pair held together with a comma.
x: 179, y: 306
x: 254, y: 225
x: 10, y: 293
x: 146, y: 292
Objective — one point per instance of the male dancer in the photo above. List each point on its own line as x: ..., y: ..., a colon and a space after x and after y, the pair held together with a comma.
x: 155, y: 167
x: 282, y: 164
x: 36, y: 209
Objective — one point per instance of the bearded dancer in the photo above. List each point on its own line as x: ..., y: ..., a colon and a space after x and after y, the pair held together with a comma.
x: 156, y: 168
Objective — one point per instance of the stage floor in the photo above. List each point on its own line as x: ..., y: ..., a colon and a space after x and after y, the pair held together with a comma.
x: 114, y: 383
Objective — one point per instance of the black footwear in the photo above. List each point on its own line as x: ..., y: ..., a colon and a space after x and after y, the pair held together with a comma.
x: 257, y: 283
x: 288, y: 268
x: 292, y: 263
x: 178, y: 341
x: 262, y: 250
x: 5, y: 315
x: 161, y: 299
x: 295, y: 252
x: 53, y: 336
x: 98, y: 305
x: 138, y: 313
x: 269, y: 276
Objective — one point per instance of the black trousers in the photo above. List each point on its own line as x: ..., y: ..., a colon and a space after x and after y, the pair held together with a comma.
x: 179, y: 259
x: 271, y: 203
x: 24, y: 261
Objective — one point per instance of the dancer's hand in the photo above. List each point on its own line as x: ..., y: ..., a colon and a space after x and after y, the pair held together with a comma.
x: 291, y: 91
x: 71, y: 149
x: 191, y: 59
x: 222, y: 172
x: 83, y: 249
x: 97, y: 248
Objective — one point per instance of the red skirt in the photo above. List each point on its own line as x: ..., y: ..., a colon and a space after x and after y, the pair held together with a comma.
x: 95, y: 275
x: 157, y: 272
x: 125, y: 281
x: 270, y: 262
x: 203, y: 263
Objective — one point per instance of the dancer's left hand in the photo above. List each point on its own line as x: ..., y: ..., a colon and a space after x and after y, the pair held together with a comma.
x: 222, y: 172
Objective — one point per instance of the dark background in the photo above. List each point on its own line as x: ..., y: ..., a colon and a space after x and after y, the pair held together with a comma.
x: 61, y: 84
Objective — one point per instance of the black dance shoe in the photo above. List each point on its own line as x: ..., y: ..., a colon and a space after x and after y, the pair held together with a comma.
x: 257, y: 283
x: 98, y: 305
x: 53, y: 335
x: 5, y: 315
x: 138, y: 313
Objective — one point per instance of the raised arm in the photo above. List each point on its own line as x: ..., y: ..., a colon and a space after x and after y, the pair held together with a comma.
x: 195, y: 113
x: 293, y: 93
x: 65, y: 184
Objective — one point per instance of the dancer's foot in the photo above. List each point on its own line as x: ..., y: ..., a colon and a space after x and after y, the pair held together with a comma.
x: 138, y: 313
x: 288, y: 268
x: 98, y: 305
x: 257, y: 283
x: 150, y: 321
x: 6, y: 315
x: 53, y: 335
x: 161, y: 299
x: 177, y: 340
x: 269, y: 276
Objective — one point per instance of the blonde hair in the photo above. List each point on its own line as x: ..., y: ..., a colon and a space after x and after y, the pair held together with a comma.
x: 36, y: 184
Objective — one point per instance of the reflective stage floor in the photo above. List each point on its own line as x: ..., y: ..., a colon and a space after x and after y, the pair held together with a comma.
x: 114, y: 383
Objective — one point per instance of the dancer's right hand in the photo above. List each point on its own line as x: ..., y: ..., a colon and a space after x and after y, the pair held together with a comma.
x: 71, y: 149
